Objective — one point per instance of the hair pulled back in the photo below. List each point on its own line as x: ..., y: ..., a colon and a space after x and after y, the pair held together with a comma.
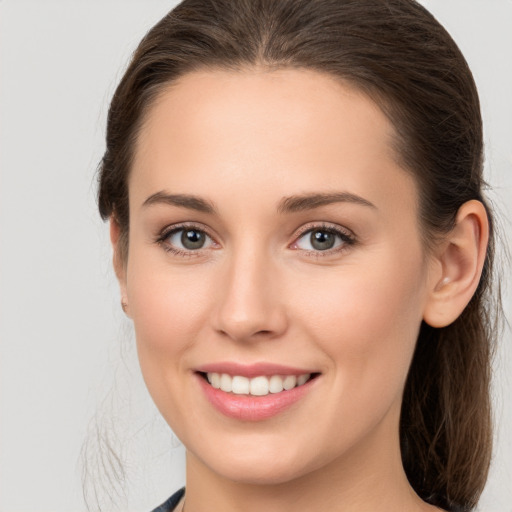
x: 398, y: 54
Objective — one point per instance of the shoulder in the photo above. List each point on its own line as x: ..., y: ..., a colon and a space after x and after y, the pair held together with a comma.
x: 169, y: 505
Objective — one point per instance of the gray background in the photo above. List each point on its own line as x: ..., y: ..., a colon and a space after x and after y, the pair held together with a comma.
x: 67, y: 364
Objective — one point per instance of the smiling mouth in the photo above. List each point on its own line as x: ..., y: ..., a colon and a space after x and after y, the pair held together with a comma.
x: 256, y: 386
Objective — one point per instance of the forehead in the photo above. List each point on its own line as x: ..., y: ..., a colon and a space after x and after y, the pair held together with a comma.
x: 286, y: 130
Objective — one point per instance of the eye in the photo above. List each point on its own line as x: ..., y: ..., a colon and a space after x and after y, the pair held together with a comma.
x: 323, y: 239
x: 185, y: 239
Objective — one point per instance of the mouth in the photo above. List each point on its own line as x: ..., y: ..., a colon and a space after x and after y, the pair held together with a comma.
x: 255, y: 392
x: 259, y: 386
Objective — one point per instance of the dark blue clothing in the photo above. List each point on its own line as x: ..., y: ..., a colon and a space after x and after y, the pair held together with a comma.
x: 169, y: 505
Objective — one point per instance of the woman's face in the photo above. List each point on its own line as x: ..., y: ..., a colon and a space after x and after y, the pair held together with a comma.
x: 273, y: 234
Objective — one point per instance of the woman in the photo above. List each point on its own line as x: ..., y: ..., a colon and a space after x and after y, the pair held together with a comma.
x: 294, y: 190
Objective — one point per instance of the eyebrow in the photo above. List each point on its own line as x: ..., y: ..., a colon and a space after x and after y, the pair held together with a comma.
x: 289, y: 204
x: 310, y: 201
x: 184, y: 200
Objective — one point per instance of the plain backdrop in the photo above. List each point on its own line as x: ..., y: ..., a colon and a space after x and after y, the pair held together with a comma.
x: 67, y: 365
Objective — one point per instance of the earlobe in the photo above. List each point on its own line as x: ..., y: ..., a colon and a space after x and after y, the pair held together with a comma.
x: 459, y: 260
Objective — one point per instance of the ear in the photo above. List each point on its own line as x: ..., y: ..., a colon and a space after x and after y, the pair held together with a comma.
x: 118, y: 259
x: 458, y: 264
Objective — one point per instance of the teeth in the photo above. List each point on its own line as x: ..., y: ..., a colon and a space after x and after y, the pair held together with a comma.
x: 225, y: 383
x: 240, y: 385
x: 289, y: 382
x: 258, y: 386
x: 302, y: 379
x: 276, y: 384
x: 214, y: 380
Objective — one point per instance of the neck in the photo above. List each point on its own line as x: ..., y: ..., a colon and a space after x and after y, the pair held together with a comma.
x: 368, y: 478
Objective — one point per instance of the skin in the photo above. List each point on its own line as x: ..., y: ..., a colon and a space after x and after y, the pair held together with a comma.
x: 259, y: 292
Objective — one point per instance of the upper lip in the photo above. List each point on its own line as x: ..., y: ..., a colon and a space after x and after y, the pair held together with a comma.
x: 251, y: 370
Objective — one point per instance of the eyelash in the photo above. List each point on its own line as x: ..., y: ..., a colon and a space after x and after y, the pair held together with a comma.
x: 348, y: 239
x: 171, y: 230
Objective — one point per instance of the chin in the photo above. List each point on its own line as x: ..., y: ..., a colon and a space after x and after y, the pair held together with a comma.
x: 262, y: 474
x: 260, y: 464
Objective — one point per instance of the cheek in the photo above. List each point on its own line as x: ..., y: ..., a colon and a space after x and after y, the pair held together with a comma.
x: 165, y: 308
x: 366, y: 319
x: 168, y: 310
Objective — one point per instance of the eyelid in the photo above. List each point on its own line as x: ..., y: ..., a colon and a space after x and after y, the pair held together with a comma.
x: 311, y: 226
x: 165, y: 232
x: 173, y: 228
x: 348, y: 237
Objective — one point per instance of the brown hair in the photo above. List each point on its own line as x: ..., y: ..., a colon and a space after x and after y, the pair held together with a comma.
x: 397, y: 53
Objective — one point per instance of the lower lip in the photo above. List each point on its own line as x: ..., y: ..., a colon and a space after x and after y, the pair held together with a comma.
x: 253, y: 408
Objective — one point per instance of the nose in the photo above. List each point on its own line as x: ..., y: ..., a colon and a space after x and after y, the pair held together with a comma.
x: 250, y: 305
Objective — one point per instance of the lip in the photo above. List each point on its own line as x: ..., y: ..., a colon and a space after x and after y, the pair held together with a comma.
x: 248, y: 407
x: 252, y: 370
